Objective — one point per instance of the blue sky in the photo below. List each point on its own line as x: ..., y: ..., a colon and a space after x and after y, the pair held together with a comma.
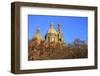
x: 72, y: 27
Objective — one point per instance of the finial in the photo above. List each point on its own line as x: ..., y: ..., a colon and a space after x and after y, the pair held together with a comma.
x: 59, y: 25
x: 38, y: 30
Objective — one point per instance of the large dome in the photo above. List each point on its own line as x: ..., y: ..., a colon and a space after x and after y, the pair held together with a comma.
x: 52, y: 30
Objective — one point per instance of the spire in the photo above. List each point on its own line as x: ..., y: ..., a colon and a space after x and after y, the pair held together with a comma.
x: 52, y: 25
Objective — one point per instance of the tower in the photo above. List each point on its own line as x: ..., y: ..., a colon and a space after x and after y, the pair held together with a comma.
x: 59, y: 27
x: 60, y: 34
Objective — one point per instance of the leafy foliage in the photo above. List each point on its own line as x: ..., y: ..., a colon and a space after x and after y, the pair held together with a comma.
x: 57, y: 50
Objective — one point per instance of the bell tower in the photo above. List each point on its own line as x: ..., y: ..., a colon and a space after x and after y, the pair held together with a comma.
x: 59, y: 27
x: 60, y: 34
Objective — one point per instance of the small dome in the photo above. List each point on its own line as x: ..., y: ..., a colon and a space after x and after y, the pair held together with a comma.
x: 38, y: 35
